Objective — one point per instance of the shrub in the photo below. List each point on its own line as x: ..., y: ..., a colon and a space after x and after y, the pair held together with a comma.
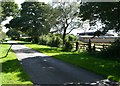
x: 22, y: 39
x: 54, y: 41
x: 51, y: 40
x: 68, y: 46
x: 60, y: 35
x: 70, y: 38
x: 57, y: 41
x: 28, y: 39
x: 42, y: 40
x: 113, y: 50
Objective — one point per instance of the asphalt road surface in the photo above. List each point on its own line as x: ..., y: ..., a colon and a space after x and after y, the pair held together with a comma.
x: 43, y: 69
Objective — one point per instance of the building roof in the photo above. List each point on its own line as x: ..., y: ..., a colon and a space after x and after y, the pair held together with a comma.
x: 86, y: 33
x: 93, y: 33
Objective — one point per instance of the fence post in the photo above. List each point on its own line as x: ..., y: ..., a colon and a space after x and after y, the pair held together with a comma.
x: 103, y: 46
x: 94, y: 48
x: 77, y: 45
x: 89, y: 46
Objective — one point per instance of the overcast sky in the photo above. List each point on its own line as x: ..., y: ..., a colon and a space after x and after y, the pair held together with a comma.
x: 46, y: 1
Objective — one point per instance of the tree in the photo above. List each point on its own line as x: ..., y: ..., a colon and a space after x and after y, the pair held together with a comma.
x: 13, y: 34
x: 7, y: 9
x: 34, y: 19
x: 108, y: 13
x: 67, y: 20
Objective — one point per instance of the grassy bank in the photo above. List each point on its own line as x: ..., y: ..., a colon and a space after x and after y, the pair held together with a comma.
x: 105, y: 66
x: 12, y: 71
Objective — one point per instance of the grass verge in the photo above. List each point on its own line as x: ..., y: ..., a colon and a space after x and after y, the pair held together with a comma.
x: 107, y: 67
x: 12, y: 71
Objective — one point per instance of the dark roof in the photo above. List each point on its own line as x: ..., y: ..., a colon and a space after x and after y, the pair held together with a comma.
x: 86, y: 33
x: 93, y: 33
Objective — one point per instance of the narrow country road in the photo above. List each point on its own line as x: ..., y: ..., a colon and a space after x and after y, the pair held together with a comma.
x: 43, y: 69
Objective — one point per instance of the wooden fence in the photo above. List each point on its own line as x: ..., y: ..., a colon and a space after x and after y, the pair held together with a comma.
x: 94, y: 46
x: 99, y: 47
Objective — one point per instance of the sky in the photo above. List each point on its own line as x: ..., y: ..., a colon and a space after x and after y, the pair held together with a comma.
x: 46, y: 1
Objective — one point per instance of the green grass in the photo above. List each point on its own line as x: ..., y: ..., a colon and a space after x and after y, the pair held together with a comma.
x: 12, y: 71
x: 106, y: 67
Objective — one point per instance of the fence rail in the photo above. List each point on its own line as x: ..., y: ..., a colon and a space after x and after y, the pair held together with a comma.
x: 99, y: 47
x: 94, y: 46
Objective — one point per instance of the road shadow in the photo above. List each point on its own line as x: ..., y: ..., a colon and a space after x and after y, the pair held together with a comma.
x: 24, y: 50
x: 47, y: 50
x: 48, y: 70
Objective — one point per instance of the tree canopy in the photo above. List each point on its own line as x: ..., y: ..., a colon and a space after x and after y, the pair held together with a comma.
x: 108, y: 13
x: 34, y: 19
x: 67, y: 19
x: 7, y: 9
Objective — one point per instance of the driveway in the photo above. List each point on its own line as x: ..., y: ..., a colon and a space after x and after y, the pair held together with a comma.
x: 43, y: 69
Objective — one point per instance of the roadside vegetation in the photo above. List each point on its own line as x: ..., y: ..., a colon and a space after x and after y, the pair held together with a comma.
x: 108, y: 67
x: 12, y: 71
x: 55, y: 40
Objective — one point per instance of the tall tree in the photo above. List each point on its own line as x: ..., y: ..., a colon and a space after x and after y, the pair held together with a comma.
x: 67, y: 20
x: 34, y: 19
x: 8, y: 8
x: 108, y: 13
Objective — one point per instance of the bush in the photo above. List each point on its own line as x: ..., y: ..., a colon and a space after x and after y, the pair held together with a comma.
x: 42, y: 40
x: 51, y: 40
x: 22, y: 39
x: 113, y: 50
x: 68, y: 46
x: 28, y: 39
x: 54, y: 41
x: 57, y: 41
x: 60, y: 35
x: 71, y: 38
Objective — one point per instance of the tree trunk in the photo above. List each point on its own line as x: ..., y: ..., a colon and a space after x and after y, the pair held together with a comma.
x: 64, y: 35
x: 77, y: 45
x: 89, y: 46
